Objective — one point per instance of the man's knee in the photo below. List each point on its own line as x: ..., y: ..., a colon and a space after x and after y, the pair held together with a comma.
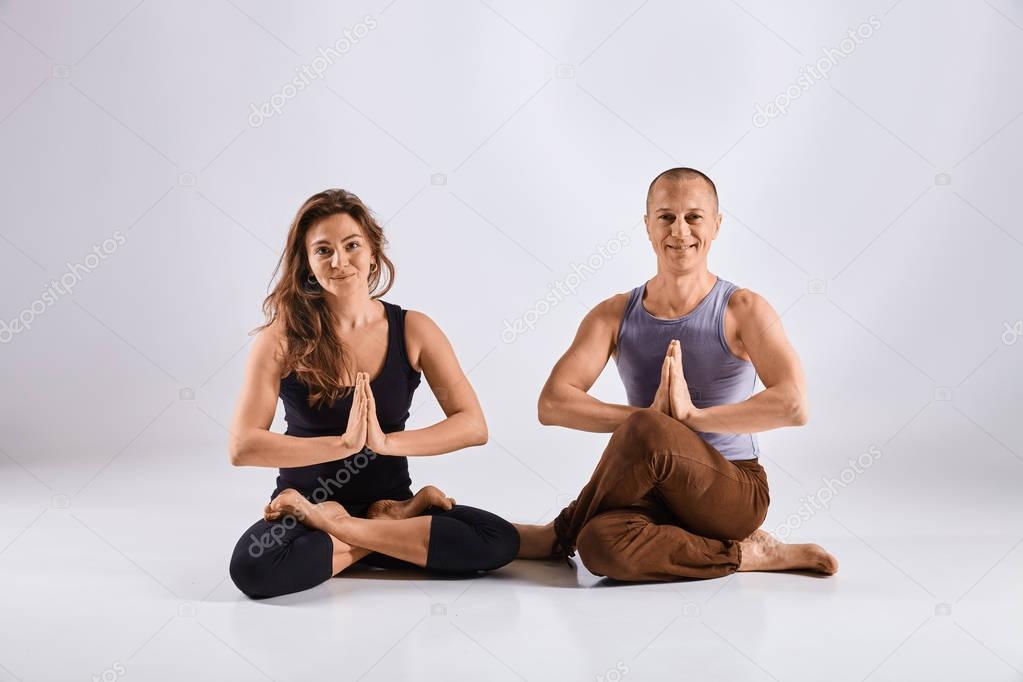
x: 599, y: 545
x: 648, y: 430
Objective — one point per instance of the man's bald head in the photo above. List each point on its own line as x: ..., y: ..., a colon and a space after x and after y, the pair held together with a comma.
x: 681, y: 175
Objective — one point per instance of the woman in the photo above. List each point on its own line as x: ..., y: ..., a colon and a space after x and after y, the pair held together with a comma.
x: 343, y: 492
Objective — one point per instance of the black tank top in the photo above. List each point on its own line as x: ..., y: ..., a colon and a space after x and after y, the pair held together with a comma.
x: 365, y: 476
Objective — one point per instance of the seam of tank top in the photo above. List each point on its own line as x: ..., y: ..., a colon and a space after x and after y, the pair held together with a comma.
x: 629, y: 305
x: 675, y: 320
x: 402, y: 349
x: 725, y: 297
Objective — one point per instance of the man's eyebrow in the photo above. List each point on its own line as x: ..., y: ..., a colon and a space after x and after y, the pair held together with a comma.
x: 694, y: 208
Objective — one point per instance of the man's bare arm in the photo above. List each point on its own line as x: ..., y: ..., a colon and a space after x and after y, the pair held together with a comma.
x: 783, y: 402
x: 564, y: 400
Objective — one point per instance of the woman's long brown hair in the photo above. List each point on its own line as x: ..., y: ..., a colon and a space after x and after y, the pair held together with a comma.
x: 314, y: 351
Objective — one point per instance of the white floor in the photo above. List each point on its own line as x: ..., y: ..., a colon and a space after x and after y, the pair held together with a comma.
x: 106, y: 585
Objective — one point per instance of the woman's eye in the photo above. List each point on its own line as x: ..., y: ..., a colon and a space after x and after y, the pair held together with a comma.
x: 353, y: 245
x: 322, y: 250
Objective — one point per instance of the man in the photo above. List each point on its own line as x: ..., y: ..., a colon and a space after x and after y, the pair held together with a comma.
x: 679, y: 491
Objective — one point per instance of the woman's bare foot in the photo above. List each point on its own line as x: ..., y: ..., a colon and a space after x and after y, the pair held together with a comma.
x: 761, y: 551
x: 428, y: 496
x: 292, y: 502
x: 535, y: 542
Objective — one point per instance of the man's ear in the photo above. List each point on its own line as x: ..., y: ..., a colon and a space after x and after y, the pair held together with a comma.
x: 646, y: 224
x: 718, y: 228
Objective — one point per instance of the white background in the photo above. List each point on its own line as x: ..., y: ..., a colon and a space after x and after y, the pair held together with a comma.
x: 501, y: 144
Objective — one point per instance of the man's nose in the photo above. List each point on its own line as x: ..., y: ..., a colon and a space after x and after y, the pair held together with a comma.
x: 680, y: 228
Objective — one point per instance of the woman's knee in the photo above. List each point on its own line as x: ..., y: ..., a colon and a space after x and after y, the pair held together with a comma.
x: 505, y: 542
x: 256, y: 567
x: 471, y: 539
x: 250, y: 570
x: 502, y: 540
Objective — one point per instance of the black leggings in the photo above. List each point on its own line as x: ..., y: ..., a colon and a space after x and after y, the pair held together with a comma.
x: 284, y: 556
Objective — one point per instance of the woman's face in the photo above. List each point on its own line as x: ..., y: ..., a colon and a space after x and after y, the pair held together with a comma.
x: 339, y: 254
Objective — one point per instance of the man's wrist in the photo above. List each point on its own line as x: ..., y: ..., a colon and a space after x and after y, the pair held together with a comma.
x: 692, y: 417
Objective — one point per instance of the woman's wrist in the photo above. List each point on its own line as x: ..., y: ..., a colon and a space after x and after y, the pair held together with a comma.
x: 345, y: 446
x: 384, y: 445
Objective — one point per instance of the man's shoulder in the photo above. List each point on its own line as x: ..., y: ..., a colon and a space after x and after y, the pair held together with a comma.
x: 742, y: 298
x: 746, y: 304
x: 612, y: 308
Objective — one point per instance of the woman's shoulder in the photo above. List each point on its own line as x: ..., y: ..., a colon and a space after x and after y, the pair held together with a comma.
x: 270, y: 346
x: 420, y: 332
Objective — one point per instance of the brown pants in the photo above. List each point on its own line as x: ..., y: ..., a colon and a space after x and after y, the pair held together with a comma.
x: 662, y: 504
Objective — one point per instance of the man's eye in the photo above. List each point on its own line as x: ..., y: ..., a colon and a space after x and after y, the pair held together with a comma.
x: 695, y: 217
x: 668, y: 217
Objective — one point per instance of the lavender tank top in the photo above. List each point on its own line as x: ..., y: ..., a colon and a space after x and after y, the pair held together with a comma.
x: 714, y: 375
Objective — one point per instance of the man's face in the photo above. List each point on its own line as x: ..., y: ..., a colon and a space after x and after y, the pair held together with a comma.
x: 682, y: 220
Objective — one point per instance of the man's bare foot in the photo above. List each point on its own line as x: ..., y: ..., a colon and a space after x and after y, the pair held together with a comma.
x: 761, y: 551
x: 428, y: 496
x: 535, y: 542
x: 292, y: 502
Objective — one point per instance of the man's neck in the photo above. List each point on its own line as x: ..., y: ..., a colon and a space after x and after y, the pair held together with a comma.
x: 671, y: 296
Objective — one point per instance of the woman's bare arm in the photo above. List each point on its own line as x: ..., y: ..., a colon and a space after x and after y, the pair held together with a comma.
x: 464, y: 425
x: 251, y: 441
